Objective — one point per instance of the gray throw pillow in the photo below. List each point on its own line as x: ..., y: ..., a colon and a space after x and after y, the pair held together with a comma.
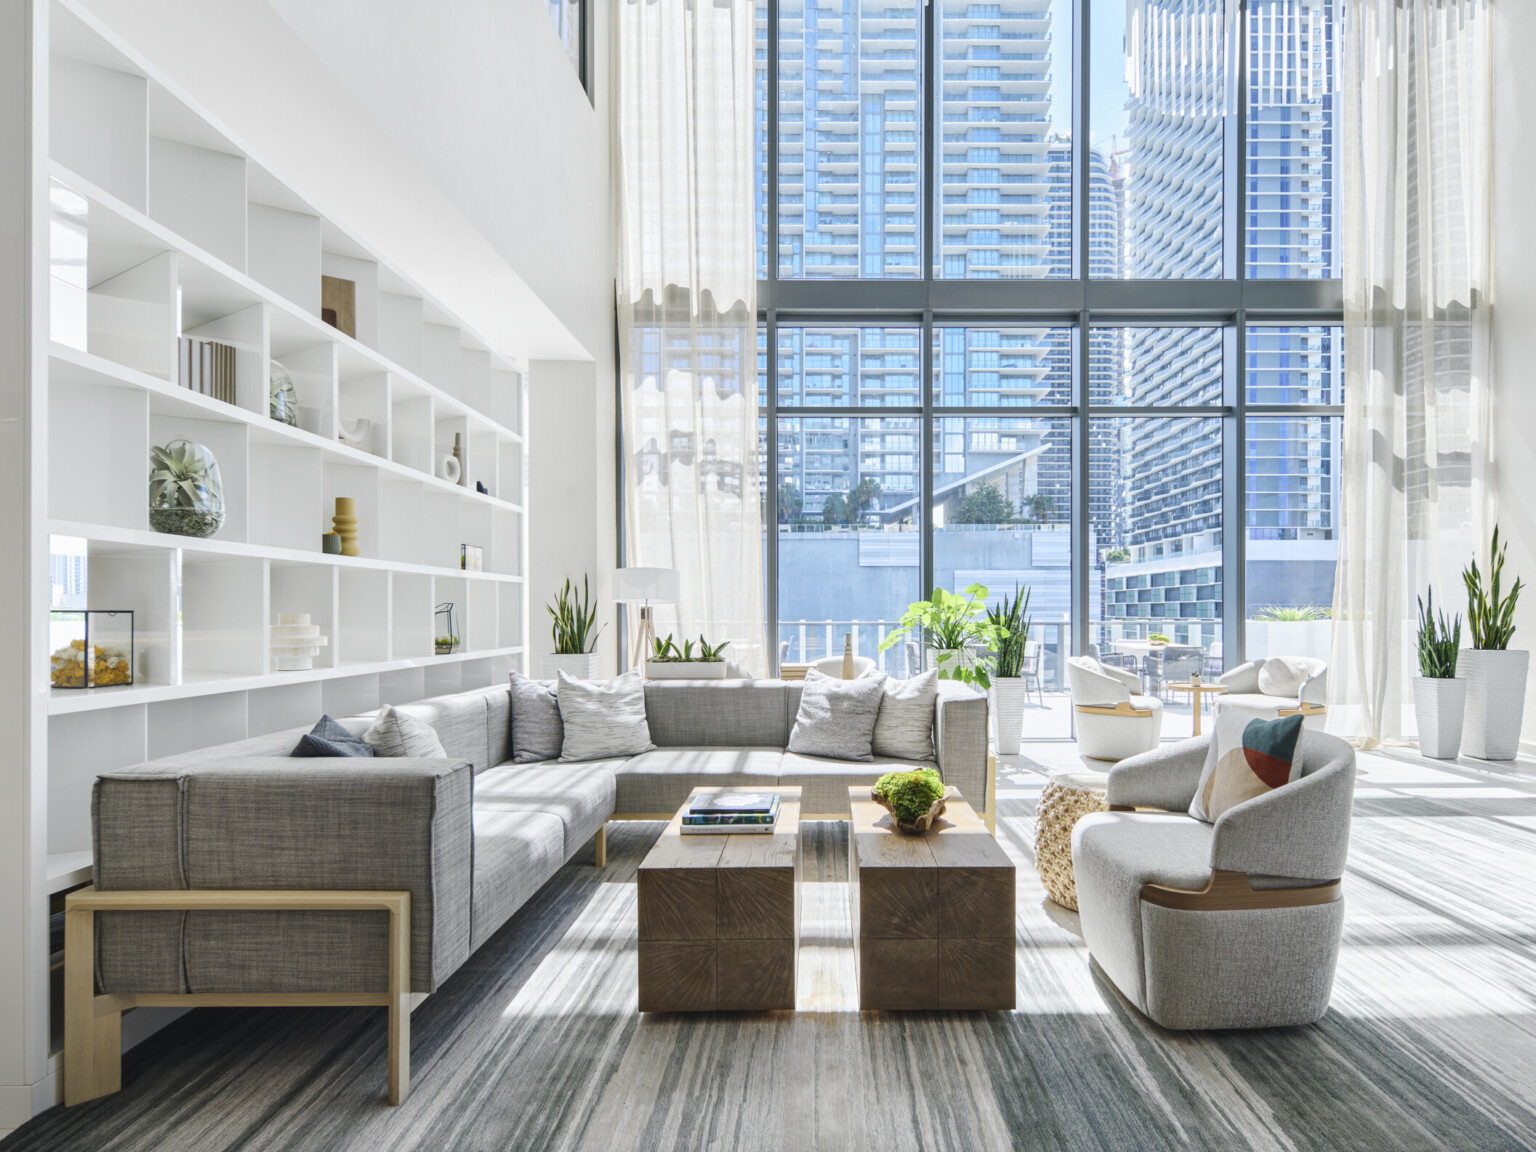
x: 603, y: 718
x: 837, y: 717
x: 331, y: 738
x: 537, y: 732
x: 904, y: 728
x: 396, y: 734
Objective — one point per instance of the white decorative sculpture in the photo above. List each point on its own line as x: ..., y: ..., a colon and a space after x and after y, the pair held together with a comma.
x: 295, y: 642
x: 355, y: 433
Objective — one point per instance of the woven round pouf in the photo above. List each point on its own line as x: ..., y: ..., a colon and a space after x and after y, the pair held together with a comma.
x: 1067, y: 798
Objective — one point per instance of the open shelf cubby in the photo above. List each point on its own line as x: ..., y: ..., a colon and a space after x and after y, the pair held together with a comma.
x: 162, y: 228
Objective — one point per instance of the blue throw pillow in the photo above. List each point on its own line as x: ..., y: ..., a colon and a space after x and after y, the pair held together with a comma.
x: 330, y: 738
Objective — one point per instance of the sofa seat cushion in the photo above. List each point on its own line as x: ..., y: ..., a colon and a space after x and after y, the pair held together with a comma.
x: 1255, y: 703
x: 1113, y: 855
x: 824, y: 782
x: 516, y: 852
x: 657, y: 783
x: 580, y: 794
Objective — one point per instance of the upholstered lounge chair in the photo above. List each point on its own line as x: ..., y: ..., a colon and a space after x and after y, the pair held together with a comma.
x: 1234, y: 924
x: 1288, y: 685
x: 1114, y: 720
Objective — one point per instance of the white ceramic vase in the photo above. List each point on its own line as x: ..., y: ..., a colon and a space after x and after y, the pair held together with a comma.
x: 448, y: 469
x: 1008, y: 695
x: 1439, y: 705
x: 1495, y: 700
x: 581, y: 665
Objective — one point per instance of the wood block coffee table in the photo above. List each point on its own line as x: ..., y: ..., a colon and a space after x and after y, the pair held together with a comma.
x: 933, y: 914
x: 719, y: 918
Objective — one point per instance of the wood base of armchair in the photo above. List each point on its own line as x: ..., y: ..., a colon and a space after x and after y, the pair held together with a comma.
x: 1232, y: 892
x: 93, y: 1023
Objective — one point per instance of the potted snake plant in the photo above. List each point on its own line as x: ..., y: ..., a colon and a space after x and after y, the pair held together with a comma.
x: 1494, y: 673
x: 1439, y: 698
x: 1008, y: 627
x: 574, y: 632
x: 666, y: 661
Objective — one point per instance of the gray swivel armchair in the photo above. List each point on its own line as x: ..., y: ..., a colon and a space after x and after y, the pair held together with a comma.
x: 1234, y: 924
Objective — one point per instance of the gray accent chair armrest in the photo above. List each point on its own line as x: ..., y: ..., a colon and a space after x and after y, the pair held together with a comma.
x: 1314, y: 689
x: 1242, y: 679
x: 1300, y: 831
x: 260, y: 823
x: 960, y: 740
x: 1165, y: 777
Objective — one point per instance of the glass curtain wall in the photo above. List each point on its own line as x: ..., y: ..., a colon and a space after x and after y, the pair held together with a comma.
x: 1049, y: 303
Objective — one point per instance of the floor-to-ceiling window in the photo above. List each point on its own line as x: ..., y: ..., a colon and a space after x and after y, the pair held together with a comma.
x: 1050, y: 302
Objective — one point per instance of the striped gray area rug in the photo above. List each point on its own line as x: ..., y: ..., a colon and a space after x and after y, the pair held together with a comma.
x: 536, y: 1044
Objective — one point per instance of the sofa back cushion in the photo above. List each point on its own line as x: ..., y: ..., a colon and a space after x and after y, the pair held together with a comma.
x: 719, y: 714
x: 459, y: 721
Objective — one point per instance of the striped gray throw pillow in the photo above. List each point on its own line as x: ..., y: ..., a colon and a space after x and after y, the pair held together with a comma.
x: 396, y: 734
x: 837, y: 717
x: 603, y: 718
x: 904, y: 728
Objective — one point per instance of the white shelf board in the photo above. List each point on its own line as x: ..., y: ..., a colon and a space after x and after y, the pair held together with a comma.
x: 65, y: 701
x: 66, y: 363
x: 66, y: 869
x: 142, y: 538
x: 127, y: 226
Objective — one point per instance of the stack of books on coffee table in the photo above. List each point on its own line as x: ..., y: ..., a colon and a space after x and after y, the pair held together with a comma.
x: 730, y: 813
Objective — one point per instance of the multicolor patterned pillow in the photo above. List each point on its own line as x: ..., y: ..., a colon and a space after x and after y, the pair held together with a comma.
x: 1248, y: 758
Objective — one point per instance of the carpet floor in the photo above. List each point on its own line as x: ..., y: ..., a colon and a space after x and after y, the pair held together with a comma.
x: 1430, y: 1042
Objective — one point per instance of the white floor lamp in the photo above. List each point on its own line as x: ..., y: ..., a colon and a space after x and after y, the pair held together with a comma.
x: 645, y: 587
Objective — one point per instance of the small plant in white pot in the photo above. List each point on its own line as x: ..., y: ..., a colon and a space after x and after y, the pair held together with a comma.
x: 1008, y: 624
x: 954, y: 628
x: 1495, y: 675
x: 574, y: 632
x: 666, y: 661
x: 1439, y: 698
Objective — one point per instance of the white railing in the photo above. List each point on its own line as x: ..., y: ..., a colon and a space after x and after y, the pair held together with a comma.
x: 805, y: 641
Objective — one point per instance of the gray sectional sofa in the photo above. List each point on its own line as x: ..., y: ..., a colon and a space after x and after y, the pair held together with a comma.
x: 471, y: 837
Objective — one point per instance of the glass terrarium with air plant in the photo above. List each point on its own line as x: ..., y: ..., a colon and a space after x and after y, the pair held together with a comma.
x: 186, y: 492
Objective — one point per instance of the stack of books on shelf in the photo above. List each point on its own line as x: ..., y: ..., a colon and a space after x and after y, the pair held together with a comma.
x: 206, y: 366
x: 729, y: 813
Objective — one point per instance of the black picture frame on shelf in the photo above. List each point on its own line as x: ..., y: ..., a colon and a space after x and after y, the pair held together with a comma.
x: 99, y: 629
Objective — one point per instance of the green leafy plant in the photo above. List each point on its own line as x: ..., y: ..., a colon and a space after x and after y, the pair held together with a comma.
x: 1158, y: 638
x: 1293, y: 614
x: 986, y: 505
x: 179, y: 479
x: 1438, y: 642
x: 1009, y: 624
x: 575, y: 618
x: 666, y: 651
x: 1037, y: 507
x: 910, y: 794
x: 951, y: 625
x: 1490, y: 617
x: 1117, y: 556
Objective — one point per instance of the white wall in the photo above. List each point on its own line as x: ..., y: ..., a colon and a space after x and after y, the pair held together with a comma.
x: 1514, y: 301
x: 571, y: 464
x: 482, y: 95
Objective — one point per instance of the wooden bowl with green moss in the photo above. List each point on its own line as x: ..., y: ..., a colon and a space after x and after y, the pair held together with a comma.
x: 914, y: 799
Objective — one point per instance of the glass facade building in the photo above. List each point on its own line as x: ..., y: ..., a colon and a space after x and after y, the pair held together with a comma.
x: 1016, y: 322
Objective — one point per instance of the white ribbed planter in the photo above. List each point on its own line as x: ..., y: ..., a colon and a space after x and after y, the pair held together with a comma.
x: 1439, y: 705
x: 1495, y: 701
x: 581, y: 665
x: 1008, y: 696
x: 951, y: 660
x: 685, y: 669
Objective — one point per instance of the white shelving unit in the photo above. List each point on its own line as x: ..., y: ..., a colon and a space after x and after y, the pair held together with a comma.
x: 160, y: 225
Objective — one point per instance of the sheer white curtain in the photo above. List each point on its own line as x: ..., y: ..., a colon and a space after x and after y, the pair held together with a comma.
x: 687, y: 307
x: 1415, y: 158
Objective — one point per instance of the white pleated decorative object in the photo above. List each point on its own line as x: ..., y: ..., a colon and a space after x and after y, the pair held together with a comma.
x: 295, y: 642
